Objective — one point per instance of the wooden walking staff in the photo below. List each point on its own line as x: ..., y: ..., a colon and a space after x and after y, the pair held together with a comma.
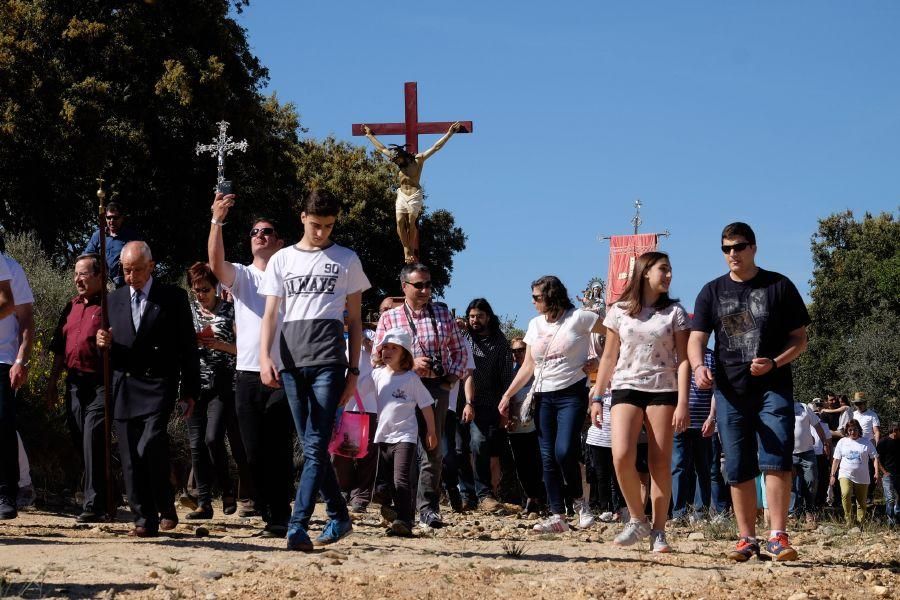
x: 111, y: 505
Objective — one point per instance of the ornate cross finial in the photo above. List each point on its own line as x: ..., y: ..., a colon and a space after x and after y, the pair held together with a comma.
x: 636, y: 219
x: 221, y: 147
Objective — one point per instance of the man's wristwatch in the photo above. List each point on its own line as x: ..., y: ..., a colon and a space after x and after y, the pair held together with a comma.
x: 353, y: 371
x: 23, y: 363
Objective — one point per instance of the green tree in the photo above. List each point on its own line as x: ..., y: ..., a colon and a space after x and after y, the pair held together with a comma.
x: 128, y: 89
x: 855, y: 302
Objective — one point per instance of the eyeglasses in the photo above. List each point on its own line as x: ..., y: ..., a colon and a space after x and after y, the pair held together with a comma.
x: 537, y: 297
x: 262, y: 230
x: 739, y: 247
x: 420, y: 285
x: 203, y: 290
x: 113, y: 217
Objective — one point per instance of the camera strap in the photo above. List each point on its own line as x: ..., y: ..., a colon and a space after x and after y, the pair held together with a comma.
x: 437, y: 335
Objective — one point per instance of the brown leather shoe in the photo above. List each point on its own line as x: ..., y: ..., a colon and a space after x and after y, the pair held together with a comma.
x: 142, y: 532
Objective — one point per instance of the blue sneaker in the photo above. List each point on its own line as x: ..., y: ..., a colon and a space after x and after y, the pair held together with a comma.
x: 334, y: 530
x: 297, y: 539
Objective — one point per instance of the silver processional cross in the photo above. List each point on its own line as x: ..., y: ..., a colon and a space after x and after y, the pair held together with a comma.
x: 222, y: 146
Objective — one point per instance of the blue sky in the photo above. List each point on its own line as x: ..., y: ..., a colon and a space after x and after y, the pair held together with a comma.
x: 773, y: 113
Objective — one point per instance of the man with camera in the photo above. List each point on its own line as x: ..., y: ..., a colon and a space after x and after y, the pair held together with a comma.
x: 440, y: 354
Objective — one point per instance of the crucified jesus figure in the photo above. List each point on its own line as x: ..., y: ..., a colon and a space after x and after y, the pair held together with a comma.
x: 409, y: 192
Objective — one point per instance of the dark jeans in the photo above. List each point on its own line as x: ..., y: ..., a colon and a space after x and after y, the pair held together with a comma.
x: 609, y: 497
x: 720, y: 493
x: 429, y: 491
x: 805, y: 484
x: 526, y: 450
x: 265, y: 427
x: 356, y: 476
x: 558, y: 418
x: 487, y: 440
x: 9, y: 445
x: 144, y: 450
x: 822, y: 468
x: 397, y: 464
x: 214, y: 415
x: 85, y: 417
x: 690, y: 470
x: 313, y: 394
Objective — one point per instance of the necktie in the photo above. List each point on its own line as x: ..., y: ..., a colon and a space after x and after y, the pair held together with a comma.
x: 136, y: 309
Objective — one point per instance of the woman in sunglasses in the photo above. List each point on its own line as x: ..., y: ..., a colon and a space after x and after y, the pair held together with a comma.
x: 558, y: 341
x: 645, y: 365
x: 851, y: 468
x: 214, y: 409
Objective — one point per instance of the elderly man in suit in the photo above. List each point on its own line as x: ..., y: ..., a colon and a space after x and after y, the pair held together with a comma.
x: 154, y: 350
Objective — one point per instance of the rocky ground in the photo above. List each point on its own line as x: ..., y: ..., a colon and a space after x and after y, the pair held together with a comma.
x: 45, y: 555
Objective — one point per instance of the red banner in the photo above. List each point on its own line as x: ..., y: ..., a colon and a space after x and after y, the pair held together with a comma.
x: 623, y: 251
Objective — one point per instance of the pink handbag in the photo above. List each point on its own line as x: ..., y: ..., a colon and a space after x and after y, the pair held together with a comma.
x: 350, y: 438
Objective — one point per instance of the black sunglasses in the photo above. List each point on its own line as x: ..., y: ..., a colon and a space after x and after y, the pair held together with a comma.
x: 263, y: 230
x: 113, y: 217
x: 420, y: 285
x: 739, y: 247
x: 517, y: 350
x: 537, y: 298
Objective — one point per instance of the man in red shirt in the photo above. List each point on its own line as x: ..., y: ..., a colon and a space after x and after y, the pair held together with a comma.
x: 74, y: 346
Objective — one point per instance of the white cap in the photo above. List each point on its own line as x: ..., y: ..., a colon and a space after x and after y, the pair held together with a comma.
x: 397, y: 336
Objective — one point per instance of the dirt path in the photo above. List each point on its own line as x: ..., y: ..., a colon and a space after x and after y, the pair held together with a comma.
x: 43, y: 555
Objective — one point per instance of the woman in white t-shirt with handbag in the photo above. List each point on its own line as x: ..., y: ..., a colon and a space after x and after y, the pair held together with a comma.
x: 645, y: 364
x: 557, y: 355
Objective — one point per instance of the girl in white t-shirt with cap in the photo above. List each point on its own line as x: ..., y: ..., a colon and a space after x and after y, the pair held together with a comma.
x: 645, y: 365
x: 400, y: 391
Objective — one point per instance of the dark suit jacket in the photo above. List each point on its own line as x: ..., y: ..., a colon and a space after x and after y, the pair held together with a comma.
x: 148, y: 365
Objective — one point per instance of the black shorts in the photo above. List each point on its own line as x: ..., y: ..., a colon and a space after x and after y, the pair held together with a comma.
x: 644, y: 399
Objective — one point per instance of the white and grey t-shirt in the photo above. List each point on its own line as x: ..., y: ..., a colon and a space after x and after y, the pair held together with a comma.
x: 314, y: 285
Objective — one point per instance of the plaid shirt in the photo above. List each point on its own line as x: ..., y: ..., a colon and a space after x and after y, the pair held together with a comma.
x: 449, y: 343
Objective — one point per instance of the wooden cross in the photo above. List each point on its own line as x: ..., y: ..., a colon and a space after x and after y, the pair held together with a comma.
x: 411, y: 128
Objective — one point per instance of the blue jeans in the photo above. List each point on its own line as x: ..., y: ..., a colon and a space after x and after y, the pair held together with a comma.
x: 313, y: 394
x: 690, y: 470
x: 558, y: 418
x: 806, y: 482
x: 891, y: 499
x: 757, y: 431
x: 719, y: 493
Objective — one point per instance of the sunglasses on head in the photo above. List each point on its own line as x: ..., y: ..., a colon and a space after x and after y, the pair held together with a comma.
x: 261, y: 230
x: 420, y: 285
x: 739, y: 247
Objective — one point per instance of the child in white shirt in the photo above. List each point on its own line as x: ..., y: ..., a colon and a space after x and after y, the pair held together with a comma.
x: 399, y: 392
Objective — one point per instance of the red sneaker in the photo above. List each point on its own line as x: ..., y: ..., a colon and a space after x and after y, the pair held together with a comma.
x: 780, y: 548
x: 745, y: 549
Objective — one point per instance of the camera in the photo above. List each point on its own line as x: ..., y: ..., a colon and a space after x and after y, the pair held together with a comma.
x: 436, y: 367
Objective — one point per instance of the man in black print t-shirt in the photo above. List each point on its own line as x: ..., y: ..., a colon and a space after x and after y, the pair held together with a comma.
x: 760, y: 324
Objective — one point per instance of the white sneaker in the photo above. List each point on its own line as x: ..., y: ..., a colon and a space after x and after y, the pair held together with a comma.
x: 585, y: 516
x: 658, y: 541
x: 555, y: 524
x: 634, y: 532
x: 607, y: 517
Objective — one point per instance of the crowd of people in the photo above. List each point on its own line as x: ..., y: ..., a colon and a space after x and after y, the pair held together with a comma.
x: 624, y: 416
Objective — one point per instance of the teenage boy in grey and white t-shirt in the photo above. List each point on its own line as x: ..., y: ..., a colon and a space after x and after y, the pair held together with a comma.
x: 316, y: 280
